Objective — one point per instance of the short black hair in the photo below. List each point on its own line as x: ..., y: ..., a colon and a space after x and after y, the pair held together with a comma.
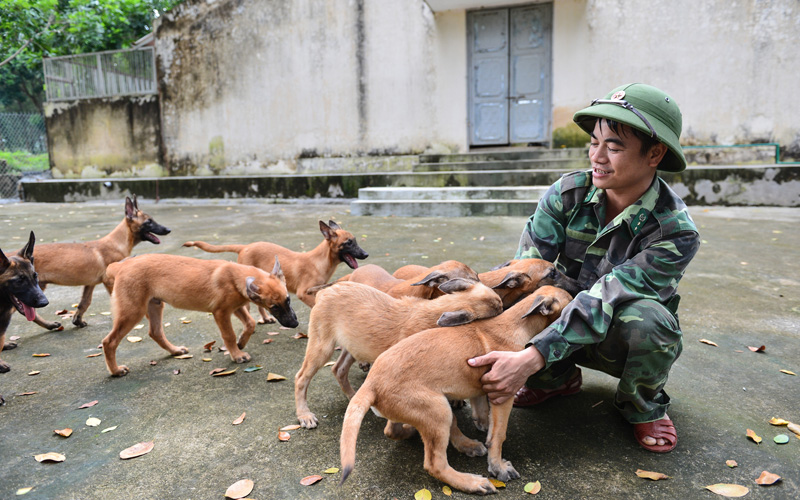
x: 647, y: 141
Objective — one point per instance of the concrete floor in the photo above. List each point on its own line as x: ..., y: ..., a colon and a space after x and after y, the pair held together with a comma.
x: 743, y: 289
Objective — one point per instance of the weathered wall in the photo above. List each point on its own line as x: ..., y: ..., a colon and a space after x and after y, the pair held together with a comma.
x: 249, y: 85
x: 104, y: 137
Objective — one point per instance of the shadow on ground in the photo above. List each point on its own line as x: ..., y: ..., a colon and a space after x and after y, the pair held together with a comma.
x: 743, y: 289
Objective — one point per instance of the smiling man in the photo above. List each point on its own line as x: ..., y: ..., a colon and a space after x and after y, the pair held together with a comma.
x: 627, y: 238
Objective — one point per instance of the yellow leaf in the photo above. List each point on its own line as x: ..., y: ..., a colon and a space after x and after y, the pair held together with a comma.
x: 50, y: 457
x: 23, y: 491
x: 752, y: 435
x: 207, y: 360
x: 705, y: 341
x: 292, y: 427
x: 787, y: 372
x: 767, y: 478
x: 41, y: 355
x: 35, y: 372
x: 183, y: 356
x: 332, y: 470
x: 447, y: 491
x: 497, y: 483
x: 137, y: 450
x: 239, y: 489
x: 533, y: 488
x: 778, y: 421
x: 224, y: 373
x: 422, y: 494
x: 728, y: 490
x: 186, y: 321
x: 64, y: 432
x: 655, y: 476
x: 274, y: 377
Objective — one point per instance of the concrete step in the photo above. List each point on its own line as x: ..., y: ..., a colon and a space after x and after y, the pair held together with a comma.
x: 505, y: 164
x: 505, y: 154
x: 443, y: 208
x: 498, y: 193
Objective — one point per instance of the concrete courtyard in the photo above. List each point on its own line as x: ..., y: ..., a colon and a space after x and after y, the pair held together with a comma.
x: 743, y: 289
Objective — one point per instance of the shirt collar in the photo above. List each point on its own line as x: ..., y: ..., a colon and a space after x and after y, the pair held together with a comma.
x: 634, y: 215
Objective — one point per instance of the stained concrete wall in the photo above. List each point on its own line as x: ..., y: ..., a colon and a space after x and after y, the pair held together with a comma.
x: 104, y: 137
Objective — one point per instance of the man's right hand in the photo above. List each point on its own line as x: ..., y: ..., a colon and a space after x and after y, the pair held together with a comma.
x: 509, y: 371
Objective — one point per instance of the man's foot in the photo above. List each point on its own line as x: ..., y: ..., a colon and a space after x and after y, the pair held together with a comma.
x: 658, y: 436
x: 529, y: 397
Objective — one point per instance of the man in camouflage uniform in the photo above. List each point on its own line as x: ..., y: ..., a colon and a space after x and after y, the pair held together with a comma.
x: 627, y: 238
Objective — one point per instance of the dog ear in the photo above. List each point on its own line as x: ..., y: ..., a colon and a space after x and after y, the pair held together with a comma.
x: 542, y: 304
x: 135, y: 203
x: 4, y: 262
x: 27, y: 250
x: 326, y: 231
x: 454, y: 318
x: 252, y: 288
x: 333, y: 225
x: 456, y: 285
x: 130, y: 209
x: 432, y: 280
x: 277, y: 271
x: 514, y: 279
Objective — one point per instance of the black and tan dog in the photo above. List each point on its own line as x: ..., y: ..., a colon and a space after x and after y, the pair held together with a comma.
x: 19, y: 290
x: 141, y: 285
x: 412, y: 381
x: 83, y: 264
x: 302, y: 270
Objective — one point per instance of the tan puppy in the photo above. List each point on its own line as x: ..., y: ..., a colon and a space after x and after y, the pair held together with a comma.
x: 366, y: 322
x: 83, y: 264
x: 412, y: 381
x: 428, y: 278
x: 302, y: 270
x: 141, y: 285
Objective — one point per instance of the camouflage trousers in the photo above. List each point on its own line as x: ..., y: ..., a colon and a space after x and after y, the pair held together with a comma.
x: 642, y: 343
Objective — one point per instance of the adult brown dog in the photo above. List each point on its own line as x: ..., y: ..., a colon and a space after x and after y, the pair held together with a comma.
x: 19, y: 290
x: 141, y: 285
x: 83, y: 264
x: 366, y: 322
x: 302, y: 270
x: 412, y: 382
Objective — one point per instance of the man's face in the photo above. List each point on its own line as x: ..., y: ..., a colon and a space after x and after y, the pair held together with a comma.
x: 617, y: 160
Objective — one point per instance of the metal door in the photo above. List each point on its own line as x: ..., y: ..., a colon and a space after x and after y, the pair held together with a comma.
x: 509, y: 75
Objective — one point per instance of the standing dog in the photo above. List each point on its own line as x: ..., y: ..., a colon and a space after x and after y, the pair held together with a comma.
x: 302, y: 270
x: 366, y: 322
x: 19, y: 290
x: 83, y: 264
x: 412, y: 381
x: 141, y: 285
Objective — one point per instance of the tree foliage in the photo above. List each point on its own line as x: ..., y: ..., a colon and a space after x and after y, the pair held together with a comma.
x: 49, y: 28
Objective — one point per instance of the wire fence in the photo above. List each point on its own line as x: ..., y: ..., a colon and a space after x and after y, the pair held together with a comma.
x: 100, y: 74
x: 23, y: 148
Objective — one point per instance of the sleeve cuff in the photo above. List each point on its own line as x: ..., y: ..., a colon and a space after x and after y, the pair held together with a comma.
x: 551, y: 345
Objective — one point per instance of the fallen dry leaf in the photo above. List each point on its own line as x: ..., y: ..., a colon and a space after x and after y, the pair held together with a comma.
x: 787, y: 372
x: 176, y: 372
x: 14, y: 337
x: 284, y: 436
x: 422, y: 494
x: 31, y: 393
x: 728, y: 490
x: 206, y: 360
x: 731, y: 463
x: 45, y: 354
x: 752, y: 435
x: 273, y: 333
x: 284, y: 328
x: 757, y: 349
x: 62, y: 311
x: 267, y: 341
x: 329, y: 363
x: 767, y: 478
x: 153, y: 363
x: 186, y: 321
x: 224, y: 373
x: 239, y: 489
x: 533, y: 488
x: 133, y: 338
x: 88, y: 405
x: 64, y: 432
x: 208, y: 346
x: 50, y: 457
x: 106, y: 313
x: 240, y: 419
x: 299, y: 335
x: 292, y: 427
x: 24, y: 491
x: 309, y: 480
x: 332, y: 470
x: 35, y: 372
x: 705, y: 341
x: 137, y: 450
x: 655, y: 476
x: 94, y: 355
x: 497, y: 483
x: 108, y: 429
x: 274, y: 377
x: 447, y: 491
x: 93, y: 421
x: 778, y: 421
x: 138, y: 327
x: 183, y: 356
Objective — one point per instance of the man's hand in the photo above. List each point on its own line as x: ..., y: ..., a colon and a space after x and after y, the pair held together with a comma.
x: 509, y: 371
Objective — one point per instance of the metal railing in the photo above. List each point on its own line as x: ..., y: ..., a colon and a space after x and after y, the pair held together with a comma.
x: 101, y: 74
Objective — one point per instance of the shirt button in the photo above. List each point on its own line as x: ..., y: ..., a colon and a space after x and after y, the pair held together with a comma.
x: 642, y: 217
x: 557, y: 353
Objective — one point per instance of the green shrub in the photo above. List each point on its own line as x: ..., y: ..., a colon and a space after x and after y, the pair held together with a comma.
x: 22, y: 161
x: 570, y: 136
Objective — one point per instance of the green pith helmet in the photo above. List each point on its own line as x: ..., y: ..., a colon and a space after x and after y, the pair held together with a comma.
x: 644, y: 108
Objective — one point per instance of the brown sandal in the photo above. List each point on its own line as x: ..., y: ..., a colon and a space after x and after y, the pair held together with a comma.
x: 663, y: 429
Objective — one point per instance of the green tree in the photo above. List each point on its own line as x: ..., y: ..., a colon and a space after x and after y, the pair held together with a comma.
x: 33, y: 29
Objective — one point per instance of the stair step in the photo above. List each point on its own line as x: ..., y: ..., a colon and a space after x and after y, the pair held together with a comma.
x: 523, y: 154
x: 525, y: 193
x: 443, y: 208
x: 519, y: 164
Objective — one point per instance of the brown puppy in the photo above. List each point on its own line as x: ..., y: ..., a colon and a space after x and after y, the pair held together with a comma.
x: 141, y: 285
x: 366, y: 322
x: 83, y: 264
x: 412, y: 381
x: 302, y: 270
x: 19, y: 291
x: 429, y: 278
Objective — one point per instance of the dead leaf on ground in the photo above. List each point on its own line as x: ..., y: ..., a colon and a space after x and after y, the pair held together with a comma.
x: 45, y: 354
x: 273, y: 333
x: 787, y: 372
x: 299, y: 335
x: 332, y: 470
x: 240, y: 419
x: 207, y: 359
x: 752, y: 435
x: 24, y: 491
x: 186, y: 321
x: 223, y: 373
x: 731, y: 463
x: 62, y: 311
x: 422, y: 494
x: 274, y: 377
x: 106, y: 313
x: 14, y: 337
x: 445, y: 489
x: 267, y: 341
x: 309, y: 480
x: 31, y: 393
x: 176, y: 372
x: 208, y: 346
x: 284, y: 328
x: 655, y: 476
x: 329, y: 363
x: 767, y: 478
x: 533, y: 488
x: 239, y: 489
x: 497, y: 483
x: 728, y: 490
x: 292, y: 427
x: 50, y: 457
x: 64, y: 432
x: 93, y: 421
x: 183, y: 356
x: 706, y: 341
x: 757, y: 349
x: 778, y: 421
x: 137, y: 450
x: 34, y: 372
x: 133, y: 338
x: 153, y: 363
x: 94, y: 355
x: 284, y: 436
x: 138, y: 327
x: 108, y: 429
x: 88, y: 405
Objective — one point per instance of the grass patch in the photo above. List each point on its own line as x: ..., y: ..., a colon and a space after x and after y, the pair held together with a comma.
x: 22, y: 161
x: 570, y: 136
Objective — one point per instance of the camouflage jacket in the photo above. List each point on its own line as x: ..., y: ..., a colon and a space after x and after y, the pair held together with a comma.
x: 641, y: 254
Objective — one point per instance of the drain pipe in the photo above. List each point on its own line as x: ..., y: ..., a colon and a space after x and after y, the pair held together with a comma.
x: 775, y: 144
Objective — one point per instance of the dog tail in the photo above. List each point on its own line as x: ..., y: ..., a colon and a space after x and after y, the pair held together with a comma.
x: 206, y: 247
x: 358, y: 407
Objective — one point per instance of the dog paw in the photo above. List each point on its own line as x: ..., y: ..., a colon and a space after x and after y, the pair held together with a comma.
x: 241, y: 358
x: 8, y: 346
x: 472, y: 448
x: 79, y: 322
x: 4, y: 368
x: 267, y: 321
x: 54, y: 326
x: 503, y: 471
x: 479, y: 485
x: 180, y: 350
x: 481, y: 424
x: 121, y: 371
x: 307, y: 420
